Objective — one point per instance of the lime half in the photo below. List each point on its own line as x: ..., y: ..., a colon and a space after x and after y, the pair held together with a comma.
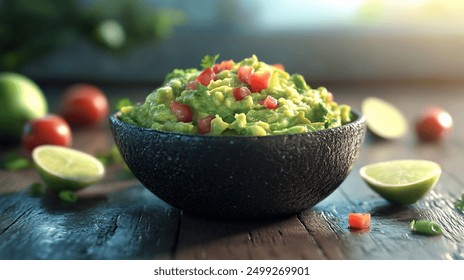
x: 384, y: 119
x: 401, y: 181
x: 64, y: 168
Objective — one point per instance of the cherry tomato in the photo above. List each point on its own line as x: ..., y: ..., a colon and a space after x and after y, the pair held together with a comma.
x: 434, y: 124
x: 84, y: 105
x: 51, y: 130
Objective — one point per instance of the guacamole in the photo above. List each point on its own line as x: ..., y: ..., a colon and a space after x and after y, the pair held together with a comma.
x: 248, y: 97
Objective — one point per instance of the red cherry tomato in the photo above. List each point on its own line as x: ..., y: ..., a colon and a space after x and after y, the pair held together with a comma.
x: 84, y: 105
x: 434, y: 124
x: 51, y: 130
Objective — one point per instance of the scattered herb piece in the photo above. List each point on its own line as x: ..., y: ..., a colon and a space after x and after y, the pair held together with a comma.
x: 68, y: 196
x: 459, y: 204
x: 36, y: 189
x: 425, y: 227
x: 208, y: 61
x: 13, y: 161
x: 359, y: 220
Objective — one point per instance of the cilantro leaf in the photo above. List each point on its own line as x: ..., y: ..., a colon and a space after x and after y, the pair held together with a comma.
x: 208, y: 61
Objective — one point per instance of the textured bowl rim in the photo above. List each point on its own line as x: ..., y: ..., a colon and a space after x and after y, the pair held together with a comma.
x: 360, y: 119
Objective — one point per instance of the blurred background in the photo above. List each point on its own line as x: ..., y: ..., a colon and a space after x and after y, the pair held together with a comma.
x: 139, y: 41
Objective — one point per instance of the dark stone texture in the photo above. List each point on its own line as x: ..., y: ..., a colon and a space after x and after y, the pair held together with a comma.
x: 240, y: 176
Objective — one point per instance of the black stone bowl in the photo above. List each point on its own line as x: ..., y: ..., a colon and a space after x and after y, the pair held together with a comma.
x: 240, y: 176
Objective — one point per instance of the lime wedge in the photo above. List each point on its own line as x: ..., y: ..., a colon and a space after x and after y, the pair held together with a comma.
x: 64, y: 168
x: 401, y: 181
x: 384, y: 119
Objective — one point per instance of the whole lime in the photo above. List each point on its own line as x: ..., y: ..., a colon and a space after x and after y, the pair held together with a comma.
x: 21, y: 100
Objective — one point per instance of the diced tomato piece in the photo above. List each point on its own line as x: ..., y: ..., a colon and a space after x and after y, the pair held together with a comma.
x: 241, y: 92
x: 244, y: 73
x: 206, y: 76
x: 270, y: 102
x: 259, y: 81
x: 330, y: 97
x: 359, y: 220
x: 192, y: 85
x: 224, y: 65
x: 204, y: 124
x: 279, y: 66
x: 183, y: 112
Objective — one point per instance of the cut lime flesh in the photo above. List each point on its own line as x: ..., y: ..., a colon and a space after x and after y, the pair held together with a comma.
x: 401, y: 181
x: 64, y: 168
x: 384, y: 119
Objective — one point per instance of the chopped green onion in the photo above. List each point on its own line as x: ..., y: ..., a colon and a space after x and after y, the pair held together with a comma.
x: 68, y: 196
x: 425, y: 227
x: 37, y: 189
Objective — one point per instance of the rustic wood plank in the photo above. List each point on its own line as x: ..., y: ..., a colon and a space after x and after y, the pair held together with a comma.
x: 272, y: 239
x: 126, y: 223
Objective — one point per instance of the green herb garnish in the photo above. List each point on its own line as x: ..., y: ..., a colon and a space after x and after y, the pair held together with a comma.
x: 36, y: 189
x: 459, y: 204
x: 425, y: 227
x: 68, y: 196
x: 208, y: 61
x: 14, y: 161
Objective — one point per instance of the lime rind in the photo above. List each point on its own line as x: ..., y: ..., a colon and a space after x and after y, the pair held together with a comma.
x: 64, y: 168
x: 410, y: 180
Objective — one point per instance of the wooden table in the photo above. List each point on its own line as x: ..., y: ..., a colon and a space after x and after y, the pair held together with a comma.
x: 119, y: 219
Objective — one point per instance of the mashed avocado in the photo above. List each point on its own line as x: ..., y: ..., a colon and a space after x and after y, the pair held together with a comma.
x: 248, y: 97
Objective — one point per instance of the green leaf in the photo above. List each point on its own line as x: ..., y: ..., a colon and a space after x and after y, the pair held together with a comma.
x: 208, y: 61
